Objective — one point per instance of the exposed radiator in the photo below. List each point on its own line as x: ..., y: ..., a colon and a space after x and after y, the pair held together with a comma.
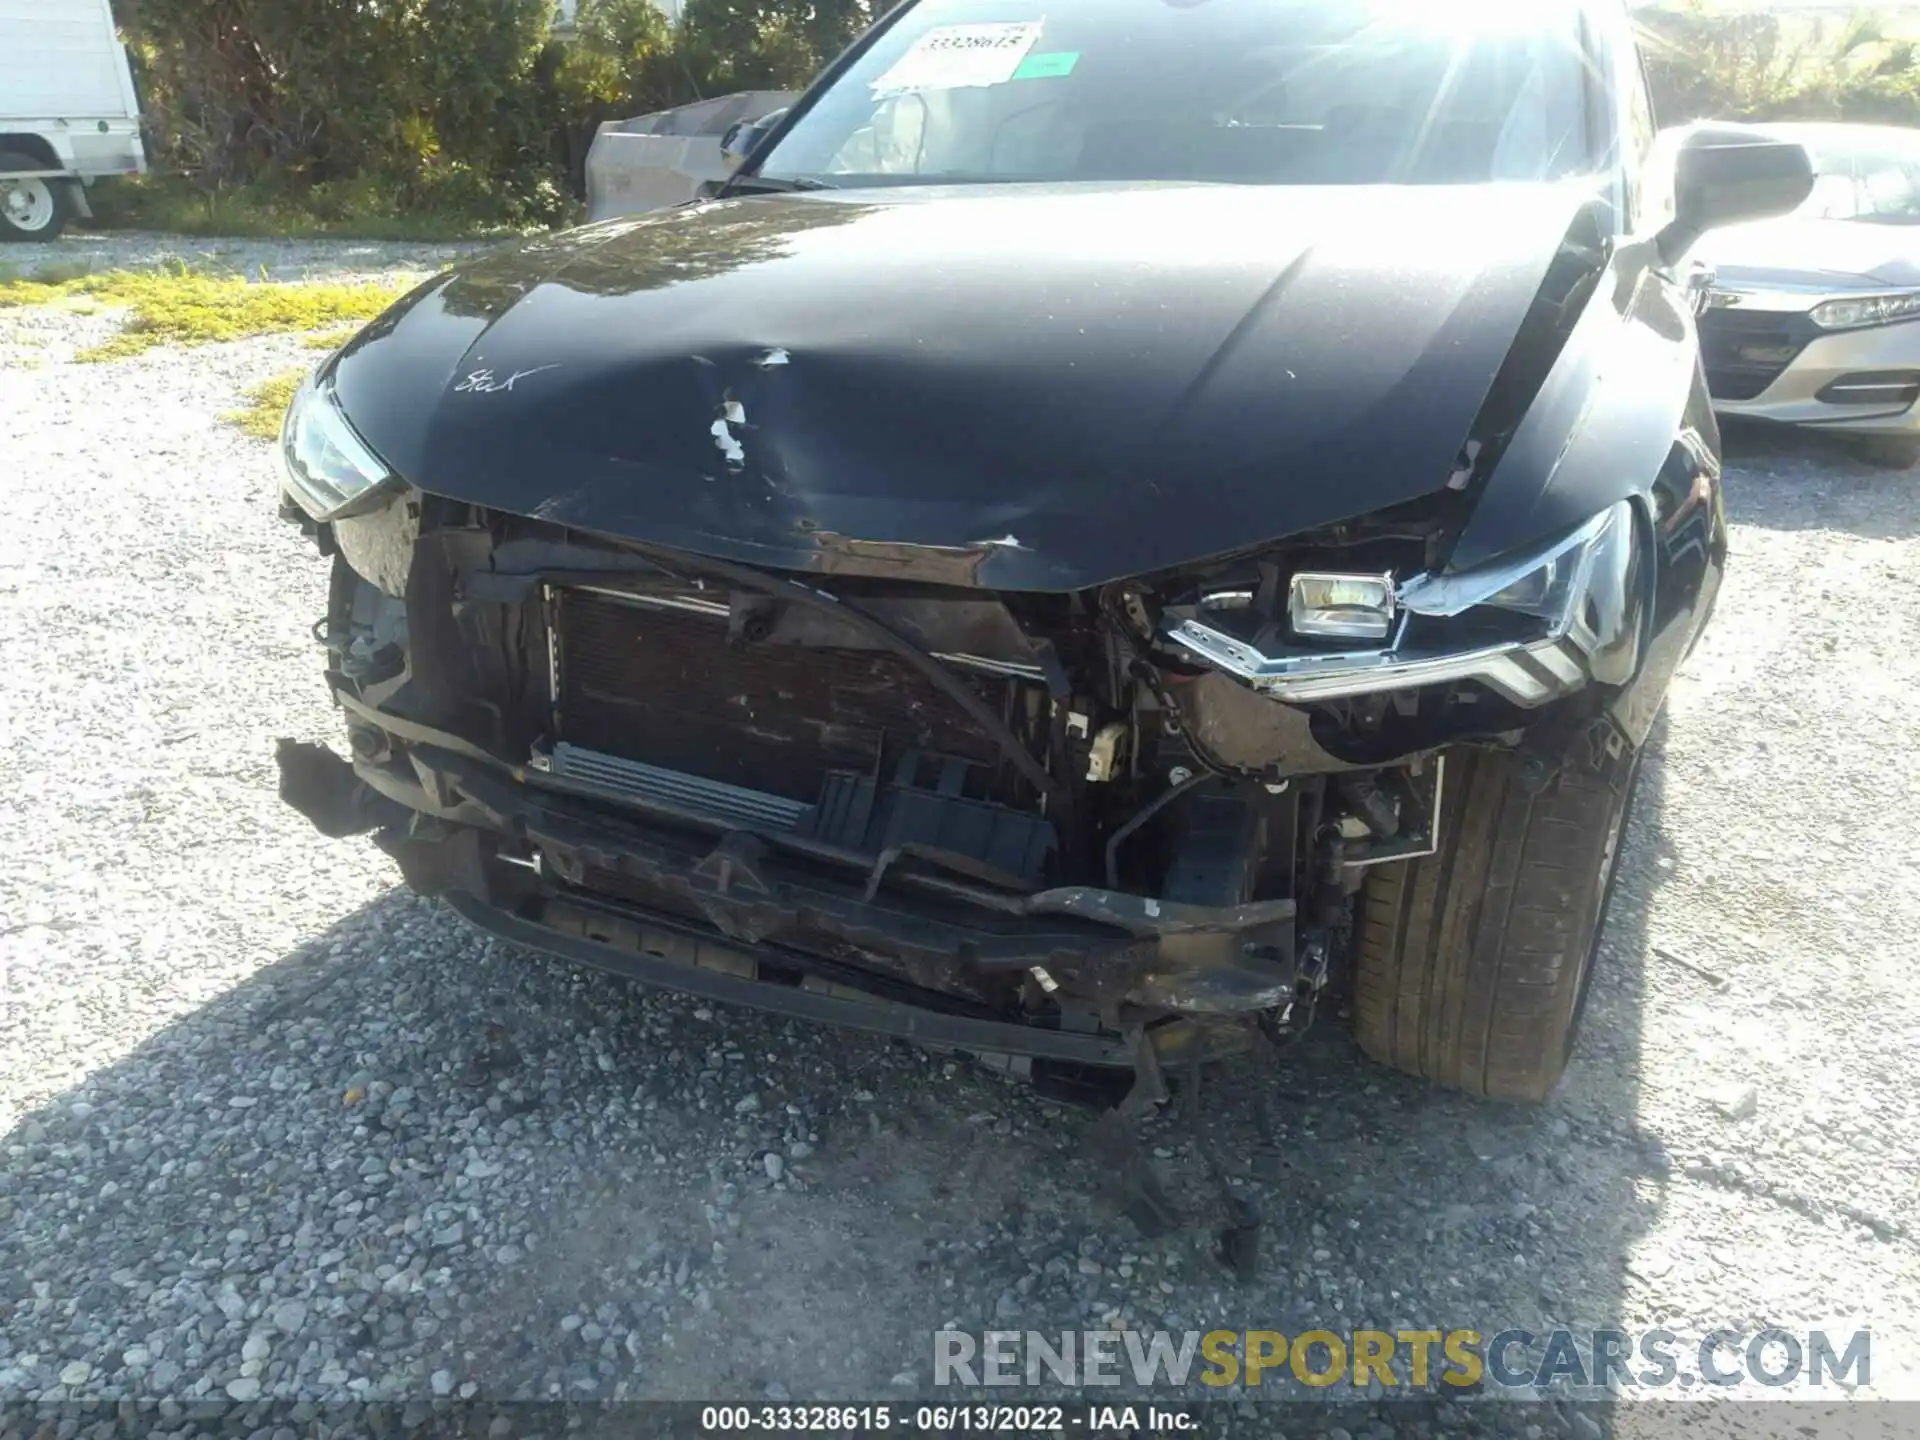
x: 749, y: 809
x: 664, y: 687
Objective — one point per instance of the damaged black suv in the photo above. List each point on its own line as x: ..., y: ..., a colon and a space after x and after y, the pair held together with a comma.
x: 1120, y: 515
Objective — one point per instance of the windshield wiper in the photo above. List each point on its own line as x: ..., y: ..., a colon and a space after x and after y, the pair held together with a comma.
x: 773, y: 184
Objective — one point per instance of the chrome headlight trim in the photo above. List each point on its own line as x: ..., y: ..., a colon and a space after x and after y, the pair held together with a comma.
x: 1446, y: 596
x: 1590, y: 634
x: 331, y: 472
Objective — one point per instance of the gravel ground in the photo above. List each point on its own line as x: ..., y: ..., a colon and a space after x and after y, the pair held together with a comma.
x: 335, y: 260
x: 270, y: 1127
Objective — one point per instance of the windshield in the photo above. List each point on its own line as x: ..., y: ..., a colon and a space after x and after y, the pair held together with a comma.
x: 1877, y: 182
x: 1289, y: 92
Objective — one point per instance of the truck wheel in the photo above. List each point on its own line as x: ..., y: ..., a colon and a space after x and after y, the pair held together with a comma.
x: 1473, y: 964
x: 34, y: 208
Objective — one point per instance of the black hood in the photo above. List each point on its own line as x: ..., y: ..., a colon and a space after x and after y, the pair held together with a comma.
x: 1018, y: 387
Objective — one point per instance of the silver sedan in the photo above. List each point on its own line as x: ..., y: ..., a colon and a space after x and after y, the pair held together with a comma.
x: 1814, y: 319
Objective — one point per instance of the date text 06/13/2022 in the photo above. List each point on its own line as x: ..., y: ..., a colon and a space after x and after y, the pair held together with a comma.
x: 949, y: 1419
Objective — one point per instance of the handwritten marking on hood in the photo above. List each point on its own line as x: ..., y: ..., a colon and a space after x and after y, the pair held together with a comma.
x: 483, y: 382
x: 773, y: 357
x: 1005, y: 542
x: 732, y: 413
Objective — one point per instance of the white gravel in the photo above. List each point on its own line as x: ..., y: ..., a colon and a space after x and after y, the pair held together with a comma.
x: 271, y: 1128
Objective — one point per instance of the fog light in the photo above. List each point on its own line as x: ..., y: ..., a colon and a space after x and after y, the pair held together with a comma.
x: 1342, y: 607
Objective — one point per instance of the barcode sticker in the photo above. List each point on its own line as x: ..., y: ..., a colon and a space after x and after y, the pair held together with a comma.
x: 955, y: 57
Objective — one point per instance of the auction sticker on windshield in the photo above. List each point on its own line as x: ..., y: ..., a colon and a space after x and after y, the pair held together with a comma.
x: 956, y: 57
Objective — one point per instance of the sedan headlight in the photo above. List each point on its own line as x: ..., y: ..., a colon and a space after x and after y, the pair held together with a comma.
x: 1341, y: 607
x: 1854, y: 313
x: 1574, y: 604
x: 1547, y: 584
x: 331, y: 472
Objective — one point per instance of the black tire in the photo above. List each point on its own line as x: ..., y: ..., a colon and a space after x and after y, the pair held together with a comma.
x: 1891, y: 452
x: 1473, y: 964
x: 35, y: 209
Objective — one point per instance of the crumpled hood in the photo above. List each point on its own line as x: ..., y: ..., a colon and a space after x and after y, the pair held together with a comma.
x: 1019, y: 387
x: 1814, y: 255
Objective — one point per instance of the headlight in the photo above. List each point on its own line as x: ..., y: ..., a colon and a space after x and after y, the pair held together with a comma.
x: 1547, y: 584
x: 330, y: 471
x: 1851, y: 314
x: 1580, y: 592
x: 1341, y: 607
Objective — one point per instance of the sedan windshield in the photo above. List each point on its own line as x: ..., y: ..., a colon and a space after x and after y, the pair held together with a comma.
x: 1288, y: 92
x: 1875, y: 180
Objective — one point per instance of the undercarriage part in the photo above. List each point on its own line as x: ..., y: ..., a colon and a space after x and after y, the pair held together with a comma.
x: 1392, y: 837
x: 1217, y: 846
x: 1376, y: 809
x: 855, y: 811
x: 1250, y: 731
x: 909, y: 1022
x: 1126, y: 949
x: 1147, y: 812
x: 1011, y: 846
x: 323, y: 787
x: 769, y: 977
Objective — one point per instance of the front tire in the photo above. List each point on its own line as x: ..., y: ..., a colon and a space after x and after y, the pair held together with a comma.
x: 31, y: 209
x: 1473, y: 964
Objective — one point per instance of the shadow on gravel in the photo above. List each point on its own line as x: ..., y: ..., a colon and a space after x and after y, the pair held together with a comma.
x: 401, y: 1161
x: 1785, y: 479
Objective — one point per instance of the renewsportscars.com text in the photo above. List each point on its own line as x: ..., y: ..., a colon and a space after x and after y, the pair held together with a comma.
x: 1418, y: 1360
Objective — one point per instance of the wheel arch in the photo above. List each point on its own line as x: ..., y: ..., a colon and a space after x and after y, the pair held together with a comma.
x: 34, y: 146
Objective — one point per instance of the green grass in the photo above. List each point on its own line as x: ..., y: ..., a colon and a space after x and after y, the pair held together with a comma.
x: 177, y: 305
x: 330, y: 339
x: 266, y: 404
x: 351, y: 211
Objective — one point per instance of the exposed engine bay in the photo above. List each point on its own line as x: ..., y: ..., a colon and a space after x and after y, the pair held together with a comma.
x: 1085, y: 827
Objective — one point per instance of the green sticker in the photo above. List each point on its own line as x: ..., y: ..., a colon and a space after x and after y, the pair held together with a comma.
x: 1044, y: 67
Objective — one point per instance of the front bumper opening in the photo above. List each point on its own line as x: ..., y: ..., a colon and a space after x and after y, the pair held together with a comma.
x: 1025, y: 812
x: 1877, y: 389
x: 903, y: 945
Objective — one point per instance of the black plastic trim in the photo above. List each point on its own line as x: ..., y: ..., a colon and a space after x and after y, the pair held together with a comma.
x: 906, y: 1022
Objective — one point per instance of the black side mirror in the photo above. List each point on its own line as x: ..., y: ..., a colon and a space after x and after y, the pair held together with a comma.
x: 1724, y: 175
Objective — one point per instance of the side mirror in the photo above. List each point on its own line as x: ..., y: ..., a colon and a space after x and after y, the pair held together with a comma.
x: 743, y: 137
x: 1724, y: 175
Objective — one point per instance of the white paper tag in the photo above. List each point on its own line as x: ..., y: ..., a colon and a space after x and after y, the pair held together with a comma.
x: 954, y: 57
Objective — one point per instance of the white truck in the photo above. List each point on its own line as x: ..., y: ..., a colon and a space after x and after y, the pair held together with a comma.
x: 68, y: 112
x: 655, y: 161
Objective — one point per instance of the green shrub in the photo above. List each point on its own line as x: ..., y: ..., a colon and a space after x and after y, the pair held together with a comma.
x: 1761, y: 65
x: 321, y: 89
x: 427, y: 117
